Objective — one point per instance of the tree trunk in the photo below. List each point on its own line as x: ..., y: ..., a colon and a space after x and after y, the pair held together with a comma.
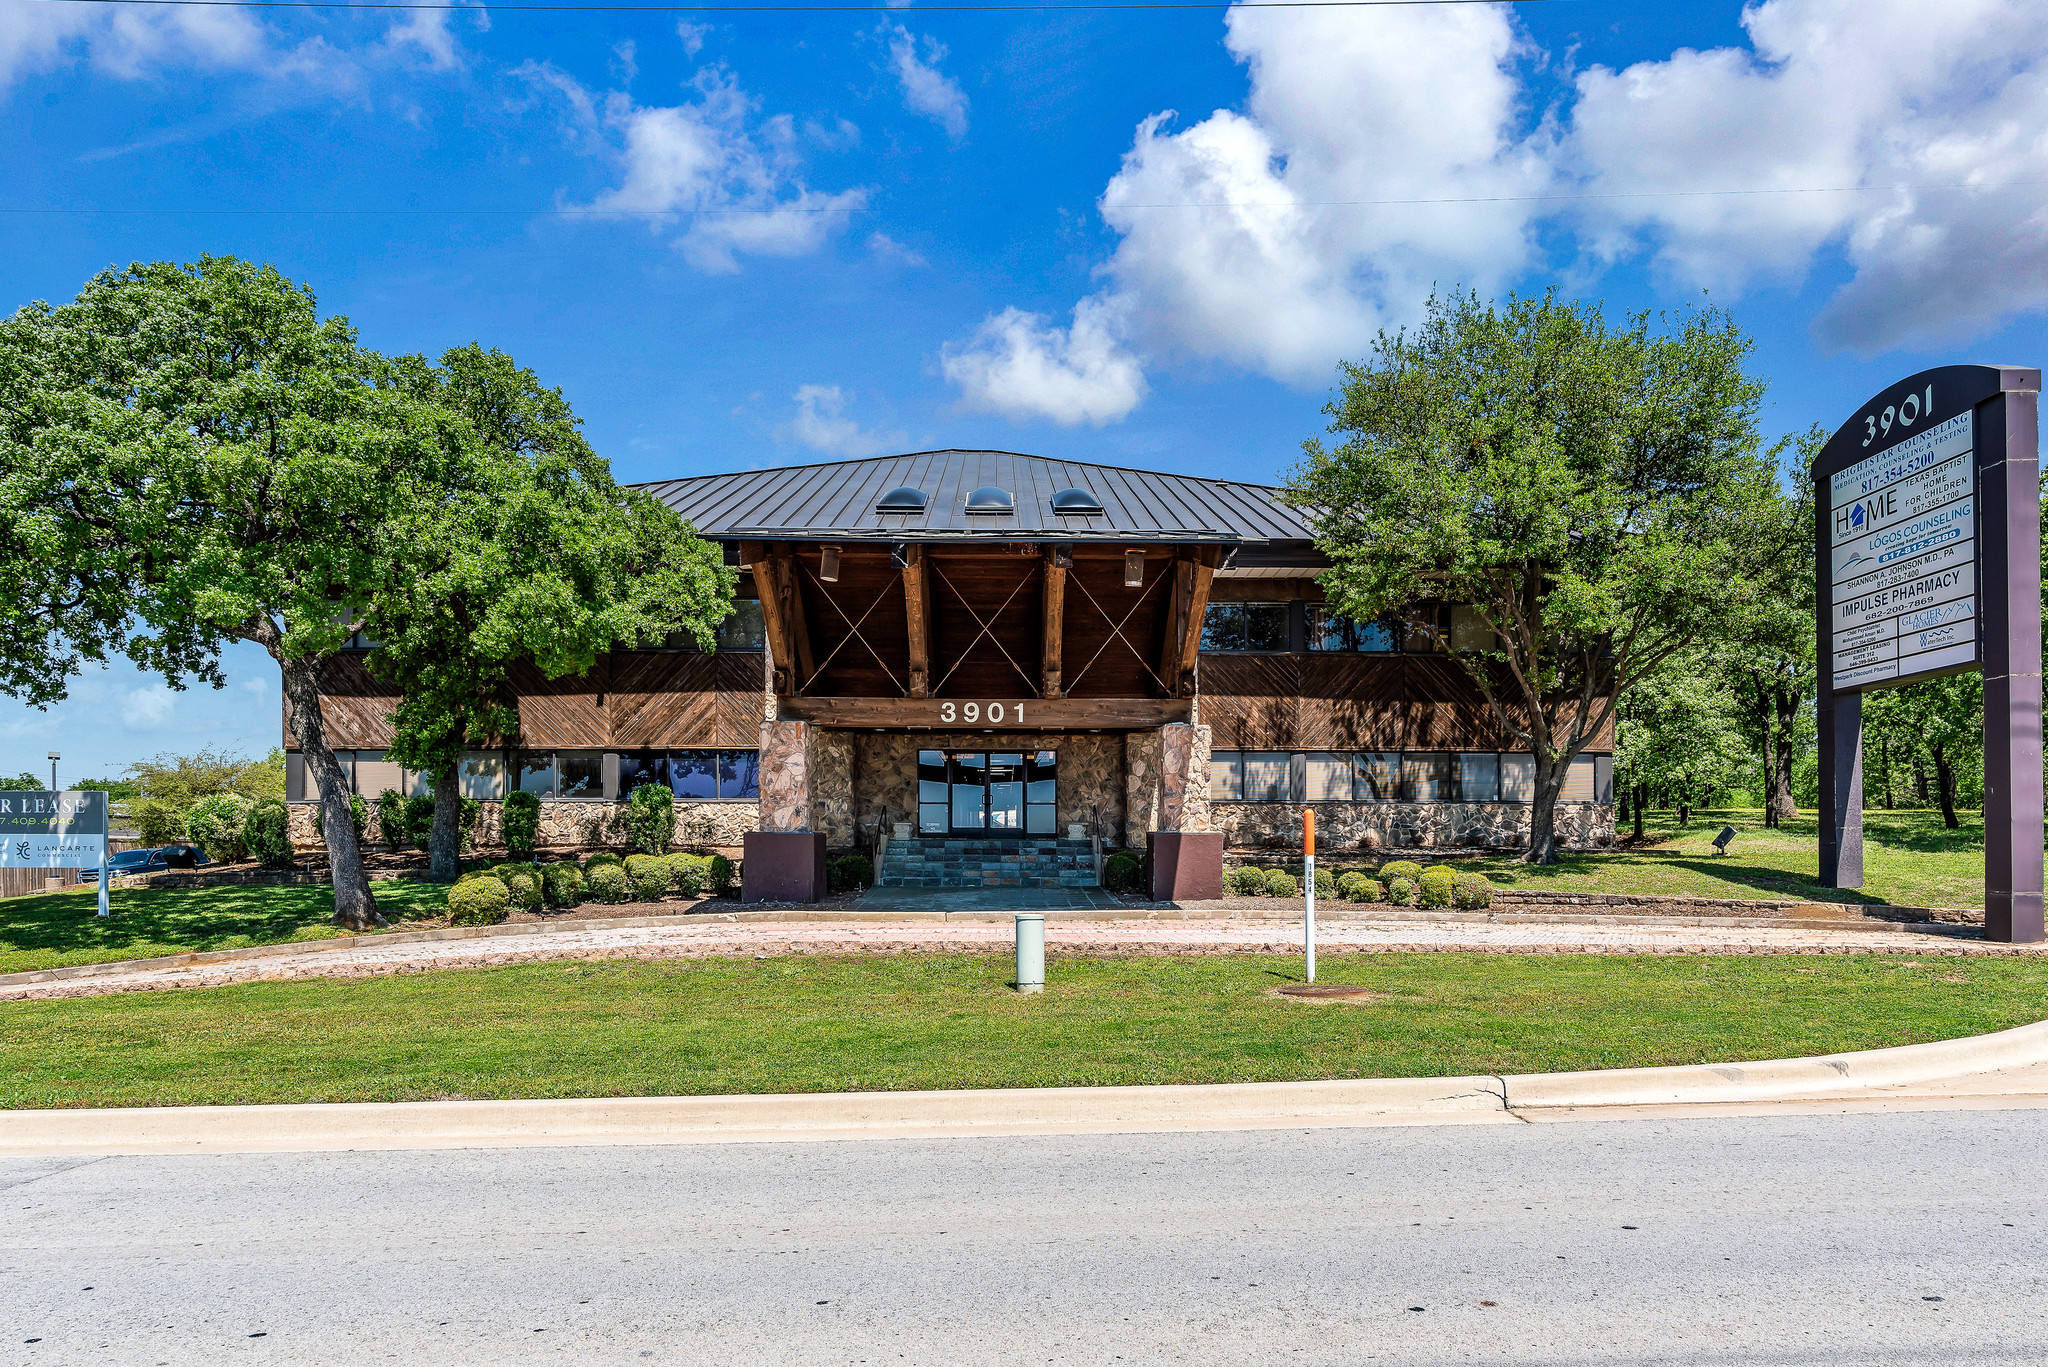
x: 1920, y: 781
x: 354, y: 907
x: 1550, y: 776
x: 1763, y: 726
x: 1782, y: 804
x: 1637, y: 799
x: 1884, y: 766
x: 1945, y: 785
x: 444, y: 841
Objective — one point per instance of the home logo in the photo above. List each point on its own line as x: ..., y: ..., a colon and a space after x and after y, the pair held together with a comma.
x: 1864, y: 514
x: 1856, y: 517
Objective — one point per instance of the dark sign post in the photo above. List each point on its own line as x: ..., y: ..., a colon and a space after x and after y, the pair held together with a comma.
x: 1927, y: 536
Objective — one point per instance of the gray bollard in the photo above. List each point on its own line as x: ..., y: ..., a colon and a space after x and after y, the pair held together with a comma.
x: 1030, y: 952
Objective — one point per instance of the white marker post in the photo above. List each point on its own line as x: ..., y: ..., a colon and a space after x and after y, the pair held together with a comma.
x: 1308, y: 882
x: 103, y: 879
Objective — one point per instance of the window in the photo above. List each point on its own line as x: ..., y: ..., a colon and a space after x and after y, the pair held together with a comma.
x: 537, y: 773
x: 1375, y: 777
x: 1603, y: 778
x: 1421, y: 632
x: 1469, y: 630
x: 1425, y: 778
x: 1579, y: 780
x: 739, y: 773
x: 1226, y: 776
x: 644, y: 767
x: 1223, y: 627
x: 376, y: 775
x: 1245, y: 626
x: 1041, y: 812
x: 1517, y: 778
x: 482, y: 775
x: 580, y: 775
x: 743, y: 631
x: 1268, y: 776
x: 1326, y: 630
x: 1328, y: 777
x: 1478, y: 777
x: 931, y: 792
x: 693, y: 774
x: 1377, y: 637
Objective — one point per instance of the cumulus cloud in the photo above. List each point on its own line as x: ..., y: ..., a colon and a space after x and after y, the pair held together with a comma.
x: 926, y: 90
x: 1021, y: 365
x: 147, y: 707
x: 734, y: 189
x: 1380, y: 154
x: 821, y: 424
x: 887, y: 248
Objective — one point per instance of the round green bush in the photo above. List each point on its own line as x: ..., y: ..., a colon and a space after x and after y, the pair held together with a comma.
x: 849, y: 871
x: 690, y: 874
x: 607, y: 883
x: 267, y: 831
x: 215, y: 825
x: 1351, y: 886
x: 561, y: 884
x: 649, y: 875
x: 524, y: 889
x: 1472, y: 891
x: 603, y: 857
x: 1326, y: 883
x: 1246, y: 881
x: 478, y: 902
x: 1434, y: 888
x: 1281, y: 883
x: 651, y: 818
x: 1401, y: 868
x: 725, y: 876
x: 1401, y: 891
x: 521, y: 821
x: 391, y: 819
x: 1123, y: 872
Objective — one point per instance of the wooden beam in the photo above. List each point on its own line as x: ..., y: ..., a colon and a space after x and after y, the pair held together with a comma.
x: 1052, y: 629
x: 917, y: 612
x: 1198, y: 608
x: 779, y: 662
x: 788, y: 600
x: 1015, y: 714
x: 1181, y: 595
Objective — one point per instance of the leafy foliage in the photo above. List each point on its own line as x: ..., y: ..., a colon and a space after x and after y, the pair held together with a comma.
x: 481, y: 901
x: 1246, y: 880
x: 521, y: 819
x: 561, y: 884
x: 391, y: 819
x: 267, y: 831
x: 215, y: 825
x: 1435, y: 887
x: 1472, y: 891
x: 169, y: 787
x: 606, y: 882
x: 651, y: 817
x: 850, y: 871
x: 1123, y: 872
x: 650, y: 876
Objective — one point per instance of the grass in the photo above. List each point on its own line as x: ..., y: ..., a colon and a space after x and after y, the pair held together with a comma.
x: 623, y: 1028
x: 1909, y: 860
x: 50, y: 930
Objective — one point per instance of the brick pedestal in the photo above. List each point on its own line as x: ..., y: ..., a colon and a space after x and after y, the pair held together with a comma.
x: 783, y: 866
x: 1186, y: 866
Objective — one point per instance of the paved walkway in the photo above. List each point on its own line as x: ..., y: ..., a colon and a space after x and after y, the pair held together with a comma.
x: 685, y: 940
x: 987, y: 899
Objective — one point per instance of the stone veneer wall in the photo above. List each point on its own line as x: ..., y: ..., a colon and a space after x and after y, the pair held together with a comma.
x: 1367, y: 825
x: 562, y: 824
x: 884, y: 774
x: 1166, y: 781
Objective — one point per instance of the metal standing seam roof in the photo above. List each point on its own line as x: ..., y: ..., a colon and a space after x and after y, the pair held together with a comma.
x: 837, y: 499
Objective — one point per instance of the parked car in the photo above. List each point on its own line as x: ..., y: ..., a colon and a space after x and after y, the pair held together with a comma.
x: 148, y: 861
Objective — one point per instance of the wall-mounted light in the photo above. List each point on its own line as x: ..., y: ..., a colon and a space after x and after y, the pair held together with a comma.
x: 1063, y: 557
x: 1134, y: 569
x: 828, y: 564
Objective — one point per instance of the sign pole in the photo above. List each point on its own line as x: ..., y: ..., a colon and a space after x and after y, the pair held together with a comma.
x: 2010, y: 527
x: 1840, y: 723
x: 1308, y: 881
x: 103, y: 911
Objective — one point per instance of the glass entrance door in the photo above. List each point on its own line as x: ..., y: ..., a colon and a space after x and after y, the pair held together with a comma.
x: 987, y: 793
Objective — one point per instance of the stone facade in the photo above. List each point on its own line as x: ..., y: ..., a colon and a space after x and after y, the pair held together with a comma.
x: 563, y: 825
x: 1091, y: 786
x: 1409, y: 825
x: 1166, y: 781
x: 785, y: 776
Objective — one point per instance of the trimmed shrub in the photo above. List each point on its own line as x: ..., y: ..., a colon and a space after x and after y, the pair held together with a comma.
x: 267, y: 831
x: 1472, y: 892
x: 1281, y: 883
x: 651, y: 818
x: 479, y: 902
x: 359, y: 816
x: 1351, y: 887
x: 1401, y: 868
x: 419, y: 819
x: 1246, y: 881
x: 850, y: 871
x: 215, y: 825
x: 1123, y: 872
x: 1326, y: 883
x: 1401, y: 891
x: 649, y: 875
x: 391, y: 818
x: 522, y: 821
x: 690, y: 874
x: 607, y: 883
x: 524, y: 889
x: 561, y: 884
x: 1433, y: 889
x: 725, y: 876
x: 602, y: 857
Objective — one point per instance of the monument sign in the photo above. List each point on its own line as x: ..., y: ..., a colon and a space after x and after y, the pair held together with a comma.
x: 48, y: 830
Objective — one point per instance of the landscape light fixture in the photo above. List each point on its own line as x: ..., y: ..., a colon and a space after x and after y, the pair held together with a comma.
x: 1721, y: 841
x: 828, y: 564
x: 54, y: 757
x: 1134, y: 569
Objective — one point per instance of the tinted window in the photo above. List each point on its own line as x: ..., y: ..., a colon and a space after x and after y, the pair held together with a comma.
x: 1226, y: 776
x: 1478, y: 778
x: 1425, y: 778
x: 742, y: 630
x: 1265, y: 626
x: 582, y: 775
x: 1419, y: 631
x: 739, y: 774
x: 693, y: 773
x: 641, y: 768
x: 1375, y: 777
x: 1329, y: 778
x: 1378, y: 637
x: 1268, y: 777
x: 1517, y: 778
x: 1326, y: 630
x: 1223, y: 627
x: 537, y: 774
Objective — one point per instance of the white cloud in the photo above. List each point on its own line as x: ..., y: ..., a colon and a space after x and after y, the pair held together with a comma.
x: 887, y: 248
x: 625, y: 61
x: 926, y: 90
x: 1022, y: 366
x: 736, y: 190
x: 693, y: 36
x: 822, y: 425
x: 145, y: 708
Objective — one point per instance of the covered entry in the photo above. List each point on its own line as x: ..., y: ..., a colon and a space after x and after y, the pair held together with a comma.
x: 989, y: 793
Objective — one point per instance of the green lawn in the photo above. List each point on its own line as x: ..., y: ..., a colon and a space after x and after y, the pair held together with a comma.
x: 621, y: 1028
x: 50, y: 930
x: 1909, y: 859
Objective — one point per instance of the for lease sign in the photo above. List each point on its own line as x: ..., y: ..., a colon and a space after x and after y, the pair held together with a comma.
x: 1903, y: 559
x: 44, y: 830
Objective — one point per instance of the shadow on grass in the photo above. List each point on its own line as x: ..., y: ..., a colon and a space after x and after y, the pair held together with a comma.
x: 63, y: 924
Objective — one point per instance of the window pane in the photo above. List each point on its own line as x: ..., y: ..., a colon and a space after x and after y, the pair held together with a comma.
x: 931, y: 777
x: 1226, y: 776
x: 1039, y: 819
x: 1517, y: 778
x: 483, y: 775
x: 1377, y: 637
x: 931, y: 818
x: 1223, y: 627
x: 295, y: 777
x: 641, y: 767
x: 1326, y: 630
x: 1578, y: 781
x: 1268, y: 777
x: 537, y: 773
x: 1265, y: 626
x: 1329, y: 777
x: 742, y: 630
x: 739, y: 774
x: 418, y: 784
x: 1044, y: 777
x: 1425, y: 778
x: 693, y: 773
x: 1469, y: 630
x: 1603, y: 778
x: 1375, y: 777
x: 1478, y: 778
x: 1419, y: 631
x: 582, y: 775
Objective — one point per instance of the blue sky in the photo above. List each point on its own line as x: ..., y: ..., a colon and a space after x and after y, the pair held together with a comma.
x: 1141, y: 238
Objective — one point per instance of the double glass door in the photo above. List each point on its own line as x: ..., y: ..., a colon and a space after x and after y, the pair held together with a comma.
x: 987, y: 792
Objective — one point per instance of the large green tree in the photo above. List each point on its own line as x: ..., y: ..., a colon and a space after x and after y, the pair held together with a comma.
x: 1591, y: 491
x: 191, y: 455
x: 528, y: 553
x: 1676, y: 736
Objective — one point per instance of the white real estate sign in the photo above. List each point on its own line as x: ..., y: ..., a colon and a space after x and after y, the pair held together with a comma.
x: 53, y: 830
x: 1904, y: 560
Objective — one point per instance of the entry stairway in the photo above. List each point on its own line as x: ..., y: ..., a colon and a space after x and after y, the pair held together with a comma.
x: 966, y: 862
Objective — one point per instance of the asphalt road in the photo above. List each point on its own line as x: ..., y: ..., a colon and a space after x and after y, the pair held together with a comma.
x: 1917, y: 1238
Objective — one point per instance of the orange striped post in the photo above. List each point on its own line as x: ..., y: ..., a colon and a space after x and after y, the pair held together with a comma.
x: 1308, y: 883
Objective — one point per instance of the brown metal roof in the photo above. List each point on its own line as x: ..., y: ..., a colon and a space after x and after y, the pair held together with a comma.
x: 837, y: 499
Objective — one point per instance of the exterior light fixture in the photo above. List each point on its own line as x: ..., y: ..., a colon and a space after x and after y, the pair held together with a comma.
x: 54, y: 757
x: 1134, y: 569
x: 1721, y: 841
x: 828, y: 564
x: 1063, y: 557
